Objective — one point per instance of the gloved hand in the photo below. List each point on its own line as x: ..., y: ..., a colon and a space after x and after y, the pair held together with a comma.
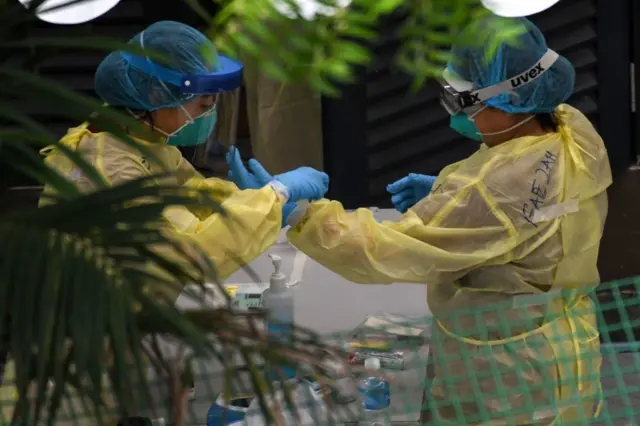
x: 406, y: 192
x: 259, y: 177
x: 243, y: 178
x: 304, y: 183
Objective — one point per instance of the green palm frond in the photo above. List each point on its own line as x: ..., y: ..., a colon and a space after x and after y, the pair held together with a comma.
x: 72, y: 280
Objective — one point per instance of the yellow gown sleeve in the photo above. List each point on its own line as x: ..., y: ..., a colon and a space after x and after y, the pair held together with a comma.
x: 184, y: 170
x: 437, y: 241
x: 219, y: 190
x: 250, y: 225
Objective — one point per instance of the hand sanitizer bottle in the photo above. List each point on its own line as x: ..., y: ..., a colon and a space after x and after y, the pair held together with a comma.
x: 277, y: 300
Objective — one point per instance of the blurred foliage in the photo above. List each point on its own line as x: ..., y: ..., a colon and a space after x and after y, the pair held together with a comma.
x: 285, y: 39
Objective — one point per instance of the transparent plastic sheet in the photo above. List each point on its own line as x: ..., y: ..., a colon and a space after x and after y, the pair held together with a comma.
x: 225, y: 133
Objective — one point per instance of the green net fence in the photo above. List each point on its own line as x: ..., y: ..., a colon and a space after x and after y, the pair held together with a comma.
x: 564, y: 358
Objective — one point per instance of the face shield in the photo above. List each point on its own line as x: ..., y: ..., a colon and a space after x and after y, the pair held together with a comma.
x: 227, y: 78
x: 458, y: 95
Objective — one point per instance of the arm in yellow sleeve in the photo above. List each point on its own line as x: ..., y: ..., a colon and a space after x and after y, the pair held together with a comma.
x: 219, y: 190
x: 187, y: 175
x: 438, y: 241
x: 251, y: 223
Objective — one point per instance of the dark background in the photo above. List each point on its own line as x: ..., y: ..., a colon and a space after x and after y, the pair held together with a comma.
x: 379, y: 131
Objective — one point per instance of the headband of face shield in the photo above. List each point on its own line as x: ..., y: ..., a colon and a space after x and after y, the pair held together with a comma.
x: 457, y: 96
x: 226, y: 78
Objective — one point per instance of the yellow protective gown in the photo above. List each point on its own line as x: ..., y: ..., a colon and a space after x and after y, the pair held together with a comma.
x: 254, y: 216
x: 506, y: 224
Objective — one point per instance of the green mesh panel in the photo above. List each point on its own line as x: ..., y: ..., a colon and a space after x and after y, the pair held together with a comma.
x: 512, y: 383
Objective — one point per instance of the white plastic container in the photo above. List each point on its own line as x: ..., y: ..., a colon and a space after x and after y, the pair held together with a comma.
x: 277, y: 300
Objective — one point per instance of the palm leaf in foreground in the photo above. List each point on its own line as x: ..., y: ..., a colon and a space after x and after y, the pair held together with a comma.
x: 84, y: 281
x: 73, y: 275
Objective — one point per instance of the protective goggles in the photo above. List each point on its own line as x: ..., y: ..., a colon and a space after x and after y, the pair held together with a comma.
x: 458, y: 95
x: 227, y: 77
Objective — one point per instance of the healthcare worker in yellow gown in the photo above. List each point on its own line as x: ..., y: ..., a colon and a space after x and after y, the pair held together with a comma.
x: 506, y: 240
x: 179, y: 102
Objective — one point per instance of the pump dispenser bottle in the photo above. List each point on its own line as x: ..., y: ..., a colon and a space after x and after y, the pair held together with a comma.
x: 277, y: 300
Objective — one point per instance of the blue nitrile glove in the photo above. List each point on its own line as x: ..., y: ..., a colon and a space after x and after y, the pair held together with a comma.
x: 243, y: 178
x: 406, y: 192
x: 304, y: 183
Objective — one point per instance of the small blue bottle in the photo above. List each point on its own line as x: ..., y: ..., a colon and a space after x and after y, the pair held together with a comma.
x: 229, y: 411
x: 376, y: 397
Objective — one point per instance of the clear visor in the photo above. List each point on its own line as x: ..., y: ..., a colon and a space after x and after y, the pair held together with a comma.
x: 210, y: 111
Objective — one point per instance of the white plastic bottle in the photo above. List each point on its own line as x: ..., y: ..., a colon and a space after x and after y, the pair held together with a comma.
x: 277, y: 300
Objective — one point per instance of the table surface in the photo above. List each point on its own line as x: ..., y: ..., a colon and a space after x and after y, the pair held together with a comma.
x: 326, y: 303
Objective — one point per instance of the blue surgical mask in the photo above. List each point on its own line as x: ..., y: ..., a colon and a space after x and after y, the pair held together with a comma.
x: 462, y: 124
x: 195, y: 133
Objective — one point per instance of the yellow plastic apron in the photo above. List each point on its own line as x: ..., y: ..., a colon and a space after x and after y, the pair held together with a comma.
x: 547, y: 376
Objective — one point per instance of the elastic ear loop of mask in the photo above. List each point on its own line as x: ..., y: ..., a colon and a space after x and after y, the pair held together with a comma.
x: 154, y: 128
x: 515, y: 126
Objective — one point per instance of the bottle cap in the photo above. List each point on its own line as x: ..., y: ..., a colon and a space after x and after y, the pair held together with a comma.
x: 372, y: 364
x: 278, y: 280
